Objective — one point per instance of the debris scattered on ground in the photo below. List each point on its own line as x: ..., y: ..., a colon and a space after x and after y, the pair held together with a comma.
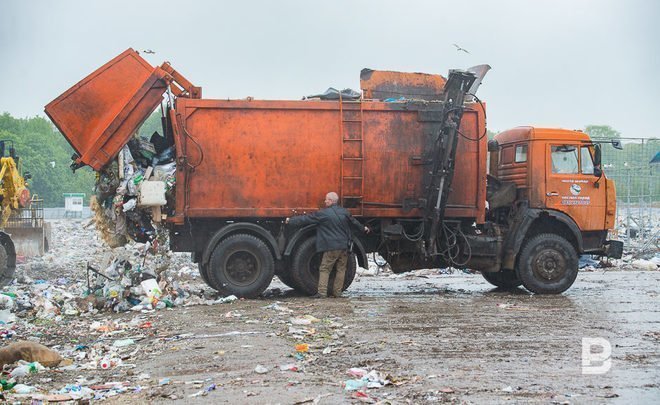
x: 365, y: 379
x: 120, y: 309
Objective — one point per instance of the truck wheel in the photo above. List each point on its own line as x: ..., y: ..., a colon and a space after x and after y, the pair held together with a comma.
x: 241, y: 265
x: 506, y: 279
x: 287, y: 279
x: 548, y: 264
x: 204, y: 273
x: 305, y: 268
x: 6, y: 271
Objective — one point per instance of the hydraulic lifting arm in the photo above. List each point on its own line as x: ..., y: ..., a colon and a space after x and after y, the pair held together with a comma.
x: 444, y: 153
x: 181, y: 87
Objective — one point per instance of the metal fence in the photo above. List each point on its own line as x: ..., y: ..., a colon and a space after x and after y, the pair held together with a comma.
x: 29, y: 217
x: 637, y: 191
x: 62, y: 213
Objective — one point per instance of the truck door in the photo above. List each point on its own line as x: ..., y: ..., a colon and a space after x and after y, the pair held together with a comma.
x: 571, y: 185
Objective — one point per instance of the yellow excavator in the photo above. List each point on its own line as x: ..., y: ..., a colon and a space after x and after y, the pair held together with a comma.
x: 18, y: 216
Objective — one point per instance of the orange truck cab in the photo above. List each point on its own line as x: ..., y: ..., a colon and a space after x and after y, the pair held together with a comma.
x: 408, y: 159
x: 562, y: 198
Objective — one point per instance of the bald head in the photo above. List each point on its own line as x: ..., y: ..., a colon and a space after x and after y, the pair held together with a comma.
x: 331, y: 199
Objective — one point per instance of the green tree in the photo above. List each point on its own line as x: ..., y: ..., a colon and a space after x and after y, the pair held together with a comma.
x: 151, y: 125
x: 630, y: 168
x: 602, y: 131
x: 45, y: 153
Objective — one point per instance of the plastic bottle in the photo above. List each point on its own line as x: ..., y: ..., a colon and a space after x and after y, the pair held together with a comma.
x: 7, y: 385
x: 23, y: 370
x: 105, y: 363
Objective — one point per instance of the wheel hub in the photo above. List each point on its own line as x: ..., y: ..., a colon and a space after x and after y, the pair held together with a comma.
x: 242, y: 268
x: 549, y: 265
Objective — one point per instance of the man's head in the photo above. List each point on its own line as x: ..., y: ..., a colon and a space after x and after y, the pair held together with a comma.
x: 331, y: 199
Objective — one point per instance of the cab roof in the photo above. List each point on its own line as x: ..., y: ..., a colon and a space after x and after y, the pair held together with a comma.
x: 533, y: 133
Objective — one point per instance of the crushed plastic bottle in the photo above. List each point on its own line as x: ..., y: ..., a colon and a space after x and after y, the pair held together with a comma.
x: 352, y: 385
x: 108, y: 363
x: 23, y: 389
x: 25, y: 369
x: 7, y: 384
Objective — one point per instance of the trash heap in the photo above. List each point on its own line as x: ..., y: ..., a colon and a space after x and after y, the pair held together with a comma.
x: 79, y: 275
x: 130, y: 192
x: 123, y: 286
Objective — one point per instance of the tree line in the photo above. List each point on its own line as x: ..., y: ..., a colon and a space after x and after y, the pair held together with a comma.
x: 45, y: 154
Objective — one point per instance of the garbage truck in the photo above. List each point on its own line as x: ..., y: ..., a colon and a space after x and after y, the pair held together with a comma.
x: 408, y: 157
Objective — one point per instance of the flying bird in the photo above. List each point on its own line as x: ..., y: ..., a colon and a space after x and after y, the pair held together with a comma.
x: 149, y: 51
x: 459, y: 49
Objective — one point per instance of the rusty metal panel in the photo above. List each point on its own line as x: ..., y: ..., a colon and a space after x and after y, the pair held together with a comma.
x: 269, y: 158
x: 260, y: 158
x: 100, y: 113
x: 383, y: 84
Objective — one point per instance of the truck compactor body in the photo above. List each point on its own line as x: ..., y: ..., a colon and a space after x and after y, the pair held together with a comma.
x: 413, y: 168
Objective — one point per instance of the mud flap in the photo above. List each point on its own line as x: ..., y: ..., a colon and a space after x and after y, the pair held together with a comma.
x: 614, y: 249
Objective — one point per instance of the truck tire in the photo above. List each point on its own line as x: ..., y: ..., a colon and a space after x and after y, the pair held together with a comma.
x: 505, y: 279
x: 204, y: 273
x: 6, y: 271
x: 305, y: 268
x: 548, y: 264
x: 287, y: 279
x: 241, y: 265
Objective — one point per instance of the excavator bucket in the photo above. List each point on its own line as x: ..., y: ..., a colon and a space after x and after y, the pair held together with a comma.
x: 99, y: 114
x: 29, y: 232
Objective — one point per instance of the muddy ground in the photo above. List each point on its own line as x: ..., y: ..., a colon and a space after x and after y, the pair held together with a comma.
x: 435, y: 337
x: 433, y: 334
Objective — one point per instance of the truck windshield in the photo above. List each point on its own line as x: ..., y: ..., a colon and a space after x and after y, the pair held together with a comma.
x: 564, y: 159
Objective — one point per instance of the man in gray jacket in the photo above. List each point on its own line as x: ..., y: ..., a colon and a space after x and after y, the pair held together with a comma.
x: 333, y: 238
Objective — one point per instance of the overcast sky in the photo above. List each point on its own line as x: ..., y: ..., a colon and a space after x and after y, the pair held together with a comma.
x: 559, y: 63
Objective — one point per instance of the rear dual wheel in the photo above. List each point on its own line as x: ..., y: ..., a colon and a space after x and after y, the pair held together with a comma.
x: 204, y: 272
x: 286, y: 278
x: 305, y: 268
x: 241, y: 265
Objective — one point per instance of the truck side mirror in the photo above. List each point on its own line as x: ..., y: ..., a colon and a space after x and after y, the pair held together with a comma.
x: 616, y: 143
x: 597, y: 155
x: 598, y: 172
